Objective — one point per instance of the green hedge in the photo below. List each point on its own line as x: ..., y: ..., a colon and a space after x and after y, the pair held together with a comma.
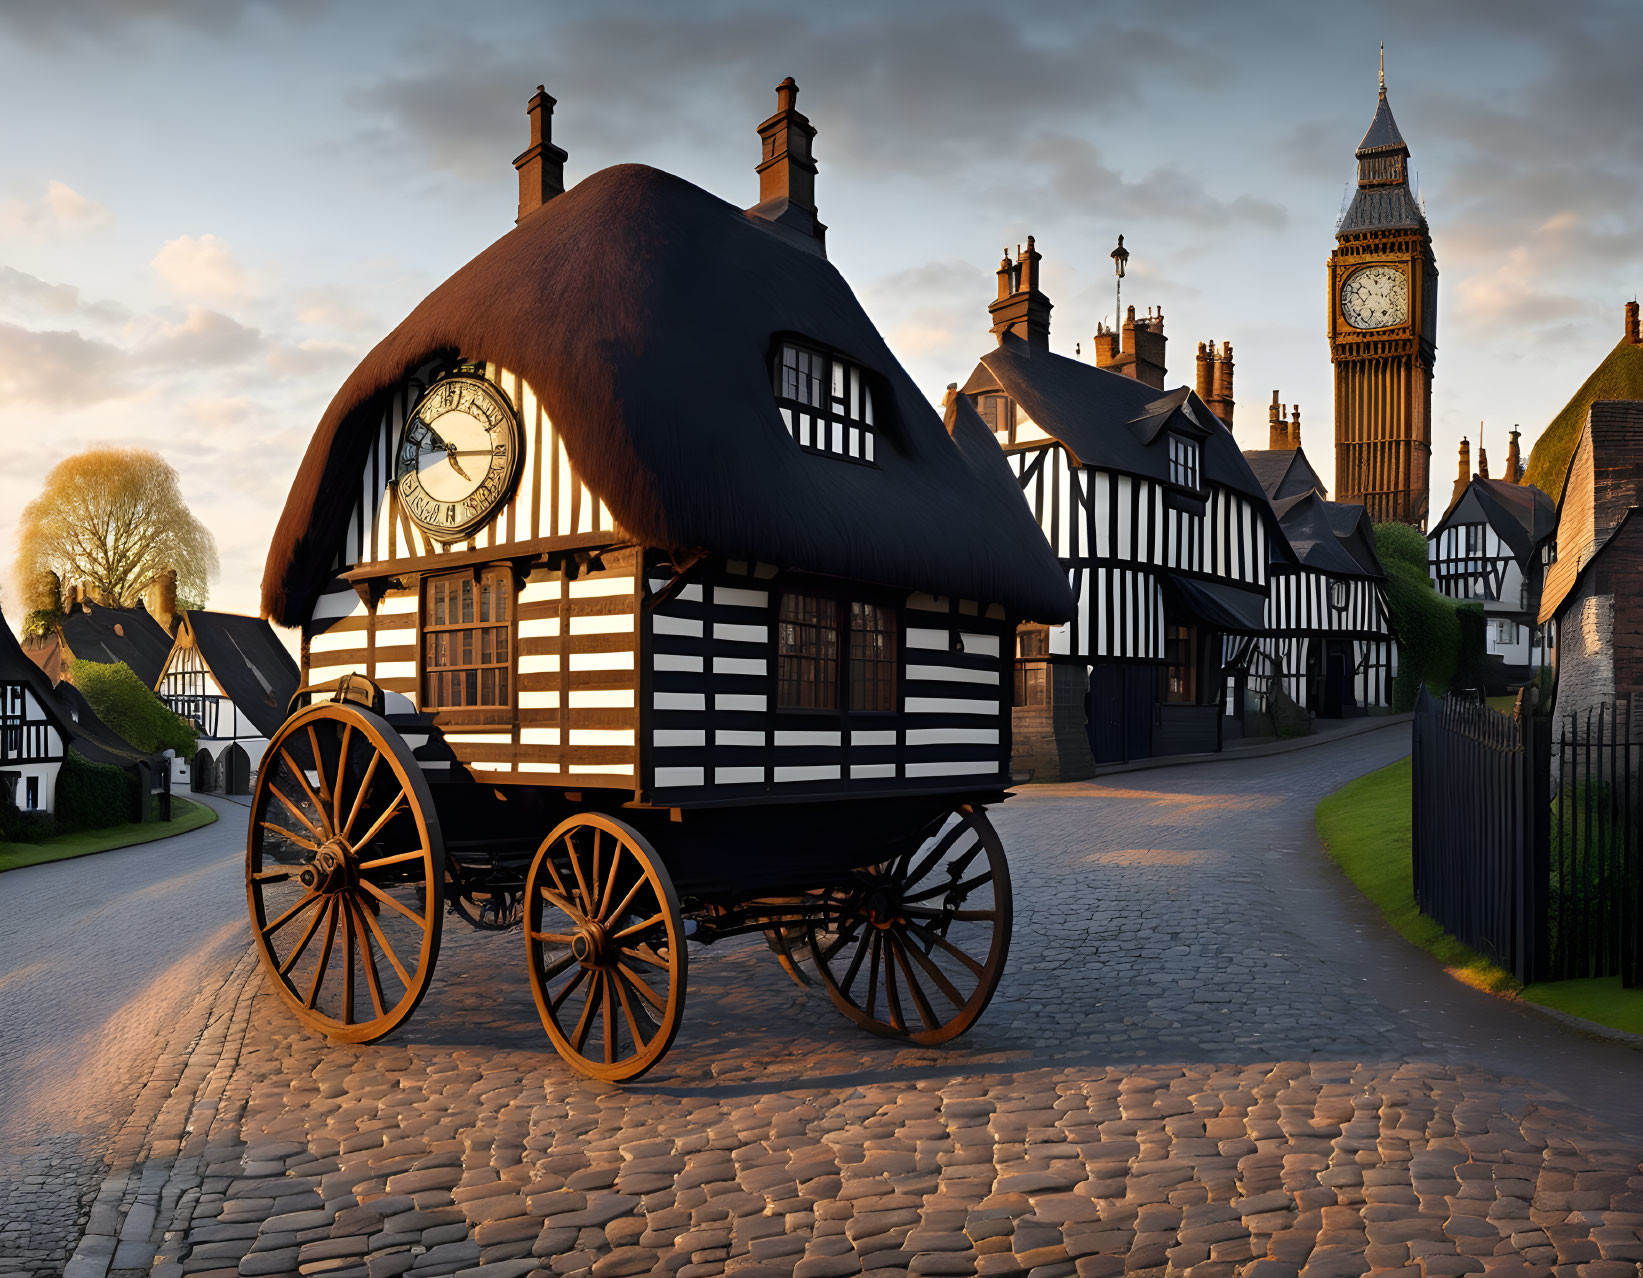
x: 130, y: 708
x: 1440, y: 642
x: 23, y: 827
x: 91, y: 796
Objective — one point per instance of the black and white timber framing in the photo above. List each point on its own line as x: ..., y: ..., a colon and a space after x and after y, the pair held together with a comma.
x: 1327, y: 638
x: 1492, y: 547
x: 648, y: 585
x: 34, y: 730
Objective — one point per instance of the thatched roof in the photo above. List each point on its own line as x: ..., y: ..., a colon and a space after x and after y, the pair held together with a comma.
x: 250, y: 663
x: 1619, y: 376
x: 643, y: 312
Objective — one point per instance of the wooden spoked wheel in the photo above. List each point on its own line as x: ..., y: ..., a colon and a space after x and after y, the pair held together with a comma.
x: 606, y: 947
x: 344, y: 872
x: 787, y: 941
x: 914, y: 948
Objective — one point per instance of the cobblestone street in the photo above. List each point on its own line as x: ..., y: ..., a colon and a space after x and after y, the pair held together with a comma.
x: 1207, y: 1056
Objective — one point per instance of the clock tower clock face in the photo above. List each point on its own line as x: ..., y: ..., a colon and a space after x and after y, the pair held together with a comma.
x: 458, y: 457
x: 1375, y: 297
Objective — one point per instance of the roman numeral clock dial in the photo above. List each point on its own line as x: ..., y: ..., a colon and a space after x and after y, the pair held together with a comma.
x: 458, y: 457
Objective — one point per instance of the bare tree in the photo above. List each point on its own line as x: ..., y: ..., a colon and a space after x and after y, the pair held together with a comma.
x: 111, y: 520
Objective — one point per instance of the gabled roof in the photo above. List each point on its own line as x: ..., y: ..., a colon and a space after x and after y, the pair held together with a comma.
x: 246, y: 657
x: 64, y: 706
x: 1521, y: 515
x: 1355, y: 531
x: 92, y: 632
x: 15, y: 667
x: 1307, y: 525
x: 643, y: 311
x: 1109, y: 420
x: 1283, y: 472
x: 1551, y: 605
x: 1618, y: 376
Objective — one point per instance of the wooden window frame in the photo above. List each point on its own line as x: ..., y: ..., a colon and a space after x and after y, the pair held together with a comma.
x: 833, y: 687
x: 844, y: 603
x: 826, y: 409
x: 1003, y: 426
x: 502, y: 714
x: 855, y: 687
x: 1186, y: 463
x: 1189, y: 694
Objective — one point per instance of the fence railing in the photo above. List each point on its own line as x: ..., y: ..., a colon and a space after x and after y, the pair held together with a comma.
x: 1481, y: 806
x: 1540, y: 867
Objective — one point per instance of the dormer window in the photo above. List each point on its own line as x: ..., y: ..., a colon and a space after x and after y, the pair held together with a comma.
x: 826, y: 402
x: 1183, y: 462
x: 998, y: 411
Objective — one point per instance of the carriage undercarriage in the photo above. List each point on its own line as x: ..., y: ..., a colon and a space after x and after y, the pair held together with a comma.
x: 353, y: 860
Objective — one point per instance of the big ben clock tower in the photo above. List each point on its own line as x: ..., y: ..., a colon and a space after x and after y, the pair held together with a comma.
x: 1383, y: 310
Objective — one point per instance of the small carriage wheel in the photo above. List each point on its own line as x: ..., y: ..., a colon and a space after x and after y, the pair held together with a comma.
x: 914, y: 948
x: 344, y: 872
x: 787, y: 942
x: 606, y: 944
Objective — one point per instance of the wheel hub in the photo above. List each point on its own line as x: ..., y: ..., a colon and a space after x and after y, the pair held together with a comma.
x: 882, y: 907
x: 591, y: 945
x: 332, y: 868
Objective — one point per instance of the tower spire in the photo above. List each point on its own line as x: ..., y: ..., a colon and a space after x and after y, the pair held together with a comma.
x: 1383, y: 68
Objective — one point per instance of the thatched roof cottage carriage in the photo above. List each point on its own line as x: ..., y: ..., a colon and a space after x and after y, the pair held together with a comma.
x: 642, y: 591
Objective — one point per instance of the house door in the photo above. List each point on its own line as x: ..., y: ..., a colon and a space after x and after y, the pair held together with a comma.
x: 202, y: 781
x: 1104, y: 713
x: 236, y: 770
x: 1337, y: 683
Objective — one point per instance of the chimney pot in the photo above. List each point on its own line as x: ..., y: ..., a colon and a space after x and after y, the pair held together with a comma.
x: 542, y: 165
x: 1632, y: 333
x: 1021, y: 309
x: 787, y: 169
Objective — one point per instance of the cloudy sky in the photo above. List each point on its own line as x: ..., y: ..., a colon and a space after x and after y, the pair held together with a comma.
x: 210, y: 209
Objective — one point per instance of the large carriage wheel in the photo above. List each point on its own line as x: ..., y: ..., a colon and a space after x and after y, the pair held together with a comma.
x: 913, y: 948
x: 344, y: 872
x: 606, y: 947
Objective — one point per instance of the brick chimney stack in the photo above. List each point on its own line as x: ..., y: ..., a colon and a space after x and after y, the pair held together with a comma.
x: 542, y: 166
x: 1277, y: 430
x: 787, y: 169
x: 1295, y: 426
x: 1137, y: 350
x: 1215, y: 378
x: 1632, y: 334
x: 1514, y: 459
x: 160, y: 599
x: 1021, y: 309
x: 1463, y: 472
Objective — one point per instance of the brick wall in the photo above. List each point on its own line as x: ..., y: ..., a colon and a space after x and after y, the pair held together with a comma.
x: 1585, y: 651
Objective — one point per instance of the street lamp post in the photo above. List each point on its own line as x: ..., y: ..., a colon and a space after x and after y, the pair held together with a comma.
x: 1120, y: 256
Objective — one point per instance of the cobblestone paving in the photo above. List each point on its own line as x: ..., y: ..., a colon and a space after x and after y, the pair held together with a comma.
x: 1186, y: 1071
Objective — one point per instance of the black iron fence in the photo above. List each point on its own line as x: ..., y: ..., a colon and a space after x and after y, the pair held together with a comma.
x: 1528, y: 836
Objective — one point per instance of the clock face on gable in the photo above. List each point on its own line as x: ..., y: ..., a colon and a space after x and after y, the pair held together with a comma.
x: 1375, y: 297
x: 458, y: 457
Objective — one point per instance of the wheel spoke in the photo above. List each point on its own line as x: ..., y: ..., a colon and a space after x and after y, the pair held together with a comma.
x: 559, y: 964
x: 649, y: 995
x: 960, y: 890
x: 554, y: 938
x: 920, y: 1001
x: 585, y: 896
x: 560, y: 903
x: 873, y: 970
x: 319, y: 771
x: 609, y: 1014
x: 295, y: 810
x: 936, y: 938
x: 610, y: 885
x: 627, y: 900
x: 554, y: 871
x: 855, y: 963
x: 342, y: 766
x: 949, y: 991
x: 633, y: 1022
x: 302, y: 780
x: 306, y: 844
x: 892, y: 1002
x: 347, y: 959
x: 373, y: 980
x: 324, y: 955
x: 936, y: 853
x: 388, y: 814
x: 404, y: 909
x: 645, y: 954
x: 364, y: 789
x: 593, y: 871
x: 957, y: 916
x: 382, y: 941
x: 558, y: 1000
x: 580, y: 1038
x: 396, y: 859
x: 641, y: 926
x: 313, y: 923
x: 285, y: 918
x: 280, y: 875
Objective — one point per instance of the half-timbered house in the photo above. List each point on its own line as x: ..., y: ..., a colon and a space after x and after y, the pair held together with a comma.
x: 1155, y: 516
x: 640, y: 500
x: 1492, y: 547
x: 232, y: 678
x: 34, y: 730
x: 1326, y: 637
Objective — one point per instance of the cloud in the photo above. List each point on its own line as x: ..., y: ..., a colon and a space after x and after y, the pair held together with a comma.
x: 69, y: 22
x: 201, y: 269
x: 205, y: 338
x: 57, y: 368
x: 33, y: 293
x: 57, y: 209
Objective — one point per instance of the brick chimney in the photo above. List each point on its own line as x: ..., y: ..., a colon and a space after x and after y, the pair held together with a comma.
x: 787, y: 169
x: 1021, y: 308
x: 1215, y: 379
x: 1632, y: 334
x: 1277, y: 430
x: 1295, y: 426
x: 1137, y: 351
x: 1514, y: 459
x: 1463, y: 473
x: 542, y: 166
x: 160, y: 599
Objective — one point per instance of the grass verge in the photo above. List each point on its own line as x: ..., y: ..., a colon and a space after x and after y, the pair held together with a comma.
x: 185, y: 816
x: 1365, y: 827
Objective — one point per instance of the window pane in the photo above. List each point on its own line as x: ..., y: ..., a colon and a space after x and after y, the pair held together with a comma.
x: 466, y: 647
x: 807, y: 662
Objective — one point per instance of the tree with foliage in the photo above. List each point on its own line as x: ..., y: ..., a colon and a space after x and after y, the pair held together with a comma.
x: 1440, y: 641
x: 129, y: 707
x: 111, y: 520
